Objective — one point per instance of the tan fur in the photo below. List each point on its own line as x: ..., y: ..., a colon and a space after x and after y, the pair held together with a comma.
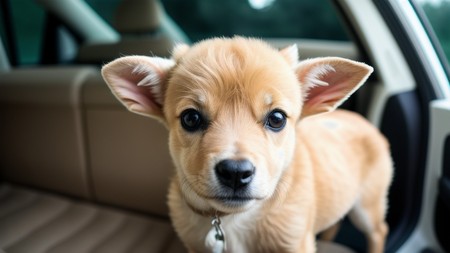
x: 308, y: 176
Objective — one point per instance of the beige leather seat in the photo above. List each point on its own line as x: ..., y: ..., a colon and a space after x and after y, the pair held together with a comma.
x: 69, y: 152
x: 33, y: 221
x: 38, y: 222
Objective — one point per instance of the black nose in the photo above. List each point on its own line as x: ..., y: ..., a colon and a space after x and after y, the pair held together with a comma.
x: 235, y: 173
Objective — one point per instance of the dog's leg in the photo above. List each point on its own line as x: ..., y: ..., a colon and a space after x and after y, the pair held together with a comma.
x: 308, y: 244
x: 330, y: 233
x: 368, y: 216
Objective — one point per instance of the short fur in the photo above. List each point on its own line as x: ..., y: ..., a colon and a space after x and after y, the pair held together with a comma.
x: 308, y: 175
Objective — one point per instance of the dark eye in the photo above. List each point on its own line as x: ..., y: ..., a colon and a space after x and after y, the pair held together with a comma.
x: 192, y: 120
x: 275, y: 120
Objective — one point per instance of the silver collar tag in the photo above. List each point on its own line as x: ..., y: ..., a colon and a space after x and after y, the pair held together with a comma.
x: 215, y: 240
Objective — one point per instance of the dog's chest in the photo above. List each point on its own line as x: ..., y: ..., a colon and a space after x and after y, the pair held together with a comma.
x: 238, y: 231
x: 244, y: 232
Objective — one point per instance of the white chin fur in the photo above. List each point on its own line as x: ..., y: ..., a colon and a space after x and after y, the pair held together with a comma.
x: 232, y: 206
x: 202, y: 204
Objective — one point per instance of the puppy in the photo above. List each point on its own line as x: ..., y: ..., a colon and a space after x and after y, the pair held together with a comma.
x: 250, y: 157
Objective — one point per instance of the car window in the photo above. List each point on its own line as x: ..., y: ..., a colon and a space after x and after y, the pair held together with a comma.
x: 438, y: 15
x: 27, y: 30
x: 105, y: 9
x: 200, y: 19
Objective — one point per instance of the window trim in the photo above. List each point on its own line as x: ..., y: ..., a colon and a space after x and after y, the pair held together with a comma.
x: 421, y: 45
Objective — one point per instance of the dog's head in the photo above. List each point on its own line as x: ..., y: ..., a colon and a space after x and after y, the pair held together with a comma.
x: 231, y: 107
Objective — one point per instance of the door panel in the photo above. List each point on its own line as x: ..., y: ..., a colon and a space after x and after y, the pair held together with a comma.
x: 402, y: 123
x: 442, y: 218
x: 433, y: 228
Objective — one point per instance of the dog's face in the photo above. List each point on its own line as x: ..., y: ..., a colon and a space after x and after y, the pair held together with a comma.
x: 231, y: 116
x: 231, y: 107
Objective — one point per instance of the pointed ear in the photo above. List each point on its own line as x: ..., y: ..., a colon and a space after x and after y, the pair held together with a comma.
x: 290, y: 54
x: 139, y: 83
x: 328, y: 82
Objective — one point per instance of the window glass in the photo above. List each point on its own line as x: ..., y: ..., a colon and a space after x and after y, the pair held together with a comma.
x: 28, y: 28
x: 200, y: 19
x: 105, y: 9
x: 438, y: 14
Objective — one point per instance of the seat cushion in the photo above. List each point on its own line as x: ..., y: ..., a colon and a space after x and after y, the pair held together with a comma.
x: 33, y: 221
x: 38, y: 222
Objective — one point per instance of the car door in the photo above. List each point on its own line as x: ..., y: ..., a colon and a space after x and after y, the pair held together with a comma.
x: 412, y: 110
x: 440, y: 161
x: 431, y: 233
x: 436, y: 13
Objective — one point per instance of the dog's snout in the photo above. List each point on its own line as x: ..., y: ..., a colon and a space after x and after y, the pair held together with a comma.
x: 235, y: 173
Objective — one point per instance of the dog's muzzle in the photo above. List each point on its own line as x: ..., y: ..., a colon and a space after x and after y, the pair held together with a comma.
x: 235, y: 174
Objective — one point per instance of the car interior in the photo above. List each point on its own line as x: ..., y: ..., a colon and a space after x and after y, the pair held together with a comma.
x: 79, y: 173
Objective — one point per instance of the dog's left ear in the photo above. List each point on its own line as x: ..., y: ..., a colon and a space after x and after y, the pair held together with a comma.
x: 327, y: 82
x: 139, y: 82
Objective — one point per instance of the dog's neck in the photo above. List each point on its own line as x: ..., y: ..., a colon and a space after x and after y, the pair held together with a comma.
x: 206, y: 213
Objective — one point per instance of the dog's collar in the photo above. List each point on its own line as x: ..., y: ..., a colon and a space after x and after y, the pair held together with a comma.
x: 206, y: 213
x: 215, y: 239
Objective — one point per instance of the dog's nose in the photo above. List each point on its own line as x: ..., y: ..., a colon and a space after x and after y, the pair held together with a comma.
x: 235, y: 173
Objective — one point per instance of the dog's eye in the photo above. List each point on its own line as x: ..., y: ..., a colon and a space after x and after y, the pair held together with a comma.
x: 275, y: 120
x: 192, y: 120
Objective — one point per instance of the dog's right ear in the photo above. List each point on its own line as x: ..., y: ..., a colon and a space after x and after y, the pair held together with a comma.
x: 327, y: 82
x: 139, y: 83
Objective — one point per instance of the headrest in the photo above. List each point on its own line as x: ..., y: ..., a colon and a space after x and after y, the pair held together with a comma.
x: 138, y: 16
x: 101, y: 53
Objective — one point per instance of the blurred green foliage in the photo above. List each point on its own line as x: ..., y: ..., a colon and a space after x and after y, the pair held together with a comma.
x: 439, y: 16
x: 105, y: 9
x: 202, y: 19
x: 282, y: 19
x: 28, y: 28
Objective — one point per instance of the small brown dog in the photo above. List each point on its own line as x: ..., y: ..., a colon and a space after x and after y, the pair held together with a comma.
x: 249, y: 157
